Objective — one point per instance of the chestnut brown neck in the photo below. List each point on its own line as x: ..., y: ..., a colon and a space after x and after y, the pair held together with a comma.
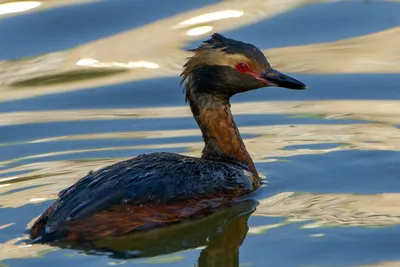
x: 220, y: 133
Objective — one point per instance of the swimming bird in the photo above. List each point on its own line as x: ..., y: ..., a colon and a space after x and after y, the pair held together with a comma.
x: 157, y: 189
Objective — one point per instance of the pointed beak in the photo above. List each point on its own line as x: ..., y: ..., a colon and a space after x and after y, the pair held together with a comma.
x: 276, y: 78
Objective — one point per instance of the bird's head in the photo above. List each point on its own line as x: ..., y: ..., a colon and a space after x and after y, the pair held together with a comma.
x: 224, y: 67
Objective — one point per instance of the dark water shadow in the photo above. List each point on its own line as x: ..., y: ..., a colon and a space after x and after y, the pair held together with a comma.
x: 222, y: 234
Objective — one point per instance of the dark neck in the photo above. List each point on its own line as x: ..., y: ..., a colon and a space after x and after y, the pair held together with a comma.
x: 220, y: 133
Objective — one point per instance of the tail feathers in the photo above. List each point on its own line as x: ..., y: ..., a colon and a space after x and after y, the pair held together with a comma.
x: 48, y: 237
x: 39, y: 227
x: 38, y: 231
x: 39, y: 235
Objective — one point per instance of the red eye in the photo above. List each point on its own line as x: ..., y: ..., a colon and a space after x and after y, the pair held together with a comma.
x: 242, y: 67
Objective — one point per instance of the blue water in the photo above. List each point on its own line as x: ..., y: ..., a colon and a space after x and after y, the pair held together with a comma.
x: 330, y: 154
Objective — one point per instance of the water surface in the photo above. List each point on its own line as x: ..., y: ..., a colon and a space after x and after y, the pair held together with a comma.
x: 85, y: 84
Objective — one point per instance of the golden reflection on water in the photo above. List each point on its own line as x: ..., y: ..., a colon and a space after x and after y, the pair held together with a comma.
x: 20, y: 6
x: 48, y: 178
x: 382, y: 264
x: 374, y: 53
x: 268, y: 141
x: 10, y: 8
x: 225, y: 14
x: 327, y: 210
x: 383, y: 111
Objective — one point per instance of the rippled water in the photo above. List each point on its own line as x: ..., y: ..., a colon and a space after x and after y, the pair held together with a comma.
x: 87, y: 83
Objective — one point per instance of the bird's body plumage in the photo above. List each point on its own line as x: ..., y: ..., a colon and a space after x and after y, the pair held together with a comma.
x: 177, y: 185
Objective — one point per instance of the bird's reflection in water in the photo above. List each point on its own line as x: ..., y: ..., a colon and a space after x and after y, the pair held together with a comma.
x: 221, y: 234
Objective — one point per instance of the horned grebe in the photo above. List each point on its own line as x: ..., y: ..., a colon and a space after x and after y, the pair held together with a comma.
x: 157, y: 189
